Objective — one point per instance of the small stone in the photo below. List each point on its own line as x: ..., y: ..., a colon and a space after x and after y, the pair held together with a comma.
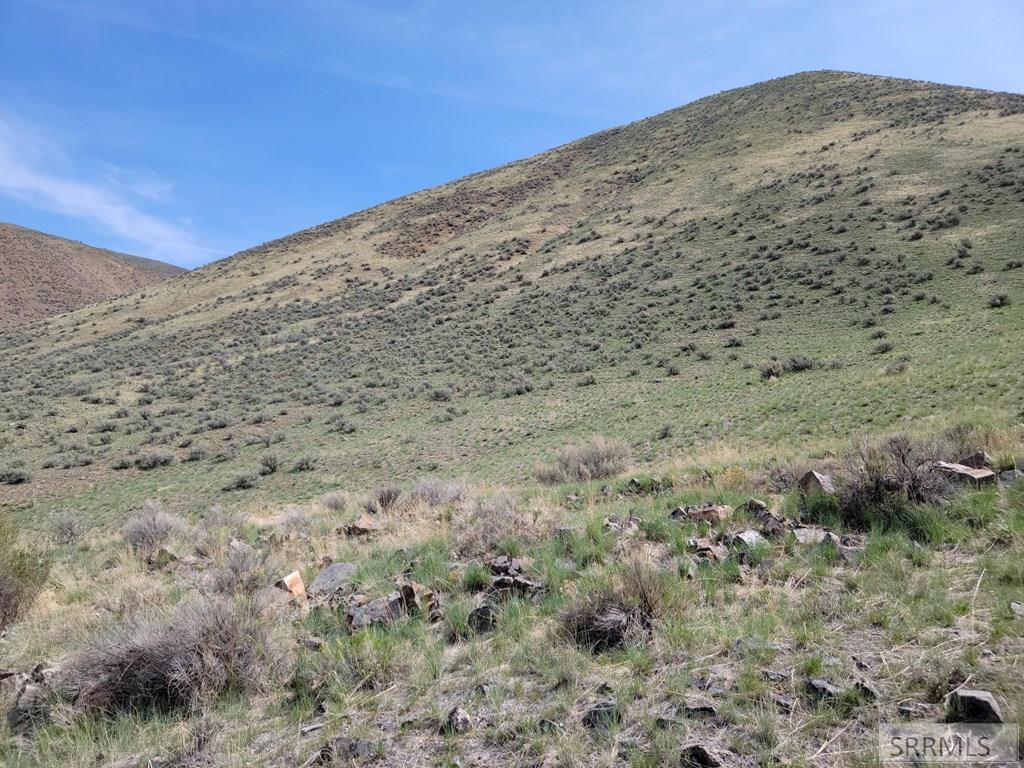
x: 822, y: 689
x: 1010, y: 476
x: 698, y: 707
x: 977, y: 460
x: 867, y: 689
x: 418, y: 599
x: 705, y: 512
x: 698, y: 756
x: 748, y: 539
x: 1017, y: 608
x: 967, y: 705
x: 383, y: 610
x: 602, y: 714
x: 771, y: 526
x: 458, y: 721
x: 665, y: 714
x: 292, y: 583
x: 966, y: 474
x: 916, y: 710
x: 755, y: 645
x: 366, y: 524
x: 483, y: 618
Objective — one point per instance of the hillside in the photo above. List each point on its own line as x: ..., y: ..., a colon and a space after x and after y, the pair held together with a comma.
x: 515, y: 471
x: 42, y: 275
x: 636, y: 279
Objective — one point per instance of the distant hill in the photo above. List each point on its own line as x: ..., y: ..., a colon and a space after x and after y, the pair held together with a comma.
x: 782, y: 266
x: 43, y: 275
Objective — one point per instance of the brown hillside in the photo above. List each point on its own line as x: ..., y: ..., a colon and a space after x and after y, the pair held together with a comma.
x: 43, y: 275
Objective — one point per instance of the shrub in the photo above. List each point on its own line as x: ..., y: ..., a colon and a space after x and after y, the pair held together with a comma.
x: 335, y: 501
x: 491, y: 525
x: 241, y: 483
x: 435, y: 492
x: 269, y: 464
x: 618, y: 612
x: 14, y: 477
x: 999, y: 300
x: 152, y: 460
x: 384, y: 499
x: 771, y: 369
x: 206, y: 647
x: 887, y: 483
x: 23, y: 573
x: 800, y: 363
x: 151, y: 530
x: 244, y: 572
x: 597, y: 459
x: 66, y: 528
x: 304, y: 464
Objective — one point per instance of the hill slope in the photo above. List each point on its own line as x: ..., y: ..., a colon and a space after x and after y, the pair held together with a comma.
x: 636, y: 283
x: 43, y: 275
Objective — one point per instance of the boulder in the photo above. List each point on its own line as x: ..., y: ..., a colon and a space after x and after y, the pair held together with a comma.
x: 748, y: 539
x: 963, y: 473
x: 332, y: 580
x: 967, y: 705
x: 813, y: 483
x: 814, y: 535
x: 698, y: 756
x: 771, y: 526
x: 418, y: 599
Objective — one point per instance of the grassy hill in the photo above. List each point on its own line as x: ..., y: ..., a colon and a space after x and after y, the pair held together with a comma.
x: 42, y: 275
x: 731, y: 293
x: 636, y: 283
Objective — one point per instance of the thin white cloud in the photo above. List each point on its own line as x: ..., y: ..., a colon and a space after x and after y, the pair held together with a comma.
x: 23, y: 176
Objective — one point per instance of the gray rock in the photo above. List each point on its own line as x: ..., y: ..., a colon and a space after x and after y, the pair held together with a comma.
x: 383, y: 610
x: 483, y: 618
x: 968, y: 705
x: 1010, y: 476
x: 458, y: 721
x: 867, y: 689
x: 602, y: 714
x: 698, y: 756
x: 822, y: 689
x: 332, y: 580
x: 748, y: 539
x: 977, y: 460
x: 1017, y: 608
x: 916, y: 710
x: 816, y: 483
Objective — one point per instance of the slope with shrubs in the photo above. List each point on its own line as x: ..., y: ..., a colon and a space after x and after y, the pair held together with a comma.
x: 787, y: 264
x: 641, y: 616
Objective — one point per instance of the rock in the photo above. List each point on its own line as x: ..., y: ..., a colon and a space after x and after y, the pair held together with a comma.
x: 814, y: 535
x: 344, y: 750
x: 366, y: 524
x: 972, y: 706
x: 503, y: 587
x: 916, y: 710
x: 312, y: 643
x: 1010, y: 476
x: 1017, y: 608
x: 867, y: 689
x: 748, y: 539
x: 771, y: 526
x: 698, y: 707
x: 965, y: 474
x: 292, y: 583
x: 418, y: 599
x: 705, y: 512
x: 458, y: 721
x: 332, y: 580
x: 665, y: 714
x: 483, y: 618
x: 706, y: 550
x: 698, y: 756
x: 383, y: 610
x: 816, y: 483
x: 505, y: 566
x: 977, y: 460
x: 627, y: 527
x: 753, y: 645
x: 602, y: 714
x: 822, y: 689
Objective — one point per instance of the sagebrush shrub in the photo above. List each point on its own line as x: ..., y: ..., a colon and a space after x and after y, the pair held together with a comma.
x: 23, y: 573
x: 593, y: 460
x: 153, y: 529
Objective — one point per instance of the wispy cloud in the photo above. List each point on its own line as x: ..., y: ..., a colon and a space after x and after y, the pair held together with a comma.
x: 24, y: 175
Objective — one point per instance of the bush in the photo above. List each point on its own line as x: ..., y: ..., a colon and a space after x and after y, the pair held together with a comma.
x: 23, y: 573
x: 999, y: 300
x: 304, y: 464
x: 244, y: 572
x: 66, y: 528
x: 887, y: 484
x: 771, y: 369
x: 152, y: 530
x: 269, y: 464
x: 241, y: 483
x: 490, y: 526
x: 14, y: 477
x: 206, y: 647
x: 587, y: 461
x: 435, y: 492
x: 152, y: 460
x: 384, y: 499
x: 619, y: 612
x: 335, y: 501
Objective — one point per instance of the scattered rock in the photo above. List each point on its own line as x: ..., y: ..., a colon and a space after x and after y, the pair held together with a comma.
x: 707, y: 550
x: 705, y: 512
x: 1010, y: 476
x: 771, y: 526
x: 506, y: 566
x: 366, y: 525
x: 418, y: 599
x: 698, y: 707
x: 965, y: 473
x: 967, y: 705
x: 627, y: 527
x: 977, y: 460
x: 363, y: 612
x: 331, y: 581
x: 816, y: 483
x: 814, y: 535
x: 822, y: 689
x: 343, y: 750
x: 458, y: 721
x: 867, y: 689
x: 483, y: 618
x: 602, y: 714
x: 1017, y: 608
x: 292, y: 583
x: 917, y: 710
x: 753, y: 645
x: 505, y: 586
x: 665, y: 714
x: 748, y: 539
x: 698, y: 756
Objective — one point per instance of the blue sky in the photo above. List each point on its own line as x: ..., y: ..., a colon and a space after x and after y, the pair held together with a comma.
x: 186, y: 130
